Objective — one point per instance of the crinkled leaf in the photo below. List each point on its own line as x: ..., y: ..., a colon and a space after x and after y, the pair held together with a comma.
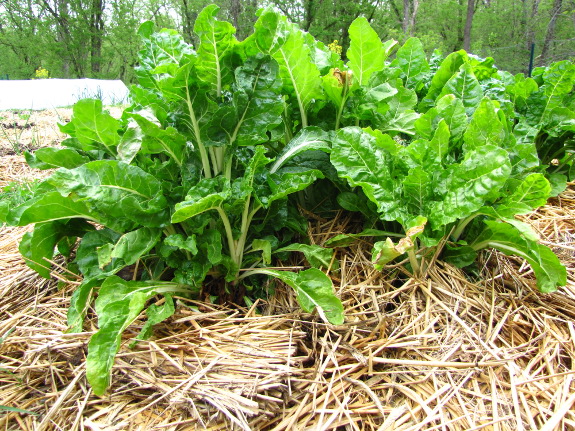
x: 155, y: 140
x: 256, y: 107
x: 284, y: 182
x: 208, y: 194
x: 366, y: 53
x: 155, y: 314
x: 385, y: 251
x: 317, y: 256
x: 412, y: 61
x: 119, y: 303
x: 449, y: 67
x: 265, y: 246
x: 482, y: 173
x: 115, y: 189
x: 314, y: 289
x: 309, y: 138
x: 506, y: 238
x: 188, y: 243
x: 92, y: 127
x: 216, y: 46
x: 54, y: 206
x: 464, y: 86
x: 52, y: 158
x: 358, y: 158
x: 485, y: 128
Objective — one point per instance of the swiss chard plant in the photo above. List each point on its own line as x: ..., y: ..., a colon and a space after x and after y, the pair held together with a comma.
x: 195, y: 188
x: 189, y: 190
x: 435, y: 152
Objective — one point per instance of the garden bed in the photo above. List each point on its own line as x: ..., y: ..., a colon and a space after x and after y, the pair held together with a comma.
x: 441, y: 351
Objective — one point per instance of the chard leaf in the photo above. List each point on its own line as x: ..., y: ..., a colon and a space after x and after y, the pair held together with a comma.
x: 79, y: 303
x: 313, y: 289
x: 299, y: 74
x: 411, y: 59
x: 177, y: 240
x: 549, y: 271
x: 93, y: 128
x: 162, y: 53
x: 52, y: 158
x: 284, y: 182
x: 133, y: 245
x: 310, y: 138
x: 155, y: 314
x: 346, y: 239
x: 317, y: 256
x: 115, y: 189
x: 358, y: 158
x: 265, y: 246
x: 87, y: 257
x: 54, y: 206
x: 207, y: 195
x: 256, y: 107
x: 459, y: 256
x: 531, y: 193
x: 155, y: 140
x: 216, y: 46
x: 119, y: 303
x: 485, y: 128
x: 448, y: 108
x: 448, y: 68
x: 130, y: 143
x: 39, y: 245
x: 480, y: 176
x: 385, y: 251
x: 465, y: 86
x: 366, y: 53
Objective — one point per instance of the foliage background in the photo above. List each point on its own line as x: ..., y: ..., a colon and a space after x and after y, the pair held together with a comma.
x: 97, y: 38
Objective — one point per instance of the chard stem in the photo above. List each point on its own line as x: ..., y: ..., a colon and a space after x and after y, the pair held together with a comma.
x: 227, y: 226
x: 461, y: 226
x: 196, y: 130
x: 414, y: 262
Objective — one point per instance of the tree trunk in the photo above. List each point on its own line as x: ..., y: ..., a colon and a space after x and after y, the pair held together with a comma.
x: 468, y: 25
x: 235, y: 10
x: 96, y: 35
x: 550, y: 35
x: 409, y: 14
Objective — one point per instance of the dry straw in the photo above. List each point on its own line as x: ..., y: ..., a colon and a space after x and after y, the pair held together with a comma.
x: 444, y: 352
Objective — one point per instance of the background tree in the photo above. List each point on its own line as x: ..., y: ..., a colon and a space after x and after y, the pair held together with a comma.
x: 97, y: 38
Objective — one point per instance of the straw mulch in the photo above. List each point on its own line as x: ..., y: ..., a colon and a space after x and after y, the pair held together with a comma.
x: 440, y: 352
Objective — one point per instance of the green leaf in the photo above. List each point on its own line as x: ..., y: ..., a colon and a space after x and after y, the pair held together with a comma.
x: 480, y: 176
x: 256, y: 107
x: 447, y: 108
x: 265, y: 246
x: 152, y: 139
x: 207, y: 195
x: 314, y: 289
x: 300, y: 76
x: 53, y: 206
x: 317, y: 256
x: 411, y: 59
x: 448, y: 68
x: 344, y: 240
x: 17, y: 410
x: 358, y: 158
x: 464, y: 86
x: 39, y: 245
x: 284, y: 182
x: 52, y: 158
x: 177, y: 240
x: 485, y: 128
x: 366, y: 53
x: 155, y: 314
x: 119, y: 303
x: 87, y: 257
x: 216, y: 46
x: 133, y: 245
x: 115, y: 189
x: 309, y: 138
x: 459, y: 255
x: 531, y: 193
x: 93, y: 128
x: 506, y: 238
x: 79, y: 304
